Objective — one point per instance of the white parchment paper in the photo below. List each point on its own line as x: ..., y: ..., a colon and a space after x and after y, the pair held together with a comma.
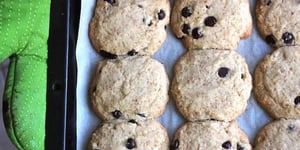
x: 253, y: 49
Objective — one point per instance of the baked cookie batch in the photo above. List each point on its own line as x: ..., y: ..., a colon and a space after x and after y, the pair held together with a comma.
x: 276, y: 79
x: 211, y: 84
x: 129, y: 90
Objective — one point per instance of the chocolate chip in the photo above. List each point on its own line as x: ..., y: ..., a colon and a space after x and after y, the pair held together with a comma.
x: 288, y: 38
x: 210, y: 21
x: 132, y: 52
x: 270, y: 39
x: 242, y: 76
x: 161, y: 14
x: 186, y: 12
x: 207, y: 6
x: 223, y: 72
x: 142, y: 115
x: 291, y: 127
x: 111, y: 1
x: 132, y: 121
x: 140, y: 6
x: 117, y: 113
x: 175, y: 145
x: 186, y: 28
x: 130, y: 144
x: 239, y: 147
x: 196, y: 33
x: 107, y: 55
x: 269, y: 2
x: 297, y: 101
x: 5, y: 106
x: 226, y: 145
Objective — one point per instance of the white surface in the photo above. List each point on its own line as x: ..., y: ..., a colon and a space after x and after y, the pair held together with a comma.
x: 253, y: 49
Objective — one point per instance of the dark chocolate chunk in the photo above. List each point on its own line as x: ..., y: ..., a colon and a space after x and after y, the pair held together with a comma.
x: 142, y: 115
x: 175, y: 145
x: 161, y: 14
x: 291, y: 127
x: 117, y: 113
x: 132, y: 52
x: 239, y: 147
x: 107, y: 55
x: 270, y: 39
x: 130, y: 144
x: 186, y: 28
x: 132, y: 121
x: 111, y: 1
x: 196, y: 33
x: 223, y: 72
x: 226, y: 145
x: 186, y: 12
x: 269, y: 2
x: 140, y: 6
x: 210, y: 21
x: 297, y: 101
x: 288, y: 38
x: 242, y: 76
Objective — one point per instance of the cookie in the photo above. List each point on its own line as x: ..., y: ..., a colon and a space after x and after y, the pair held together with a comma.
x: 210, y: 135
x: 279, y: 22
x: 280, y: 134
x: 211, y: 84
x: 211, y: 24
x: 129, y: 88
x: 149, y: 135
x: 121, y: 27
x: 277, y: 83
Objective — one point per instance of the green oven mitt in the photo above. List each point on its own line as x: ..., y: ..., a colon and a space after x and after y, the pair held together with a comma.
x: 24, y: 28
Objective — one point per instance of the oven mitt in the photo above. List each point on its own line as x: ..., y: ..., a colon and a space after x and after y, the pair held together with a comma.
x: 24, y: 28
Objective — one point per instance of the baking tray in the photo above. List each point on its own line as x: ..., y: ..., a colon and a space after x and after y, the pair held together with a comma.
x: 62, y: 75
x: 253, y: 49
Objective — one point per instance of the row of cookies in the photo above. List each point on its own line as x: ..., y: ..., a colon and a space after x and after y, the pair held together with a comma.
x: 211, y: 83
x: 276, y: 80
x: 130, y: 89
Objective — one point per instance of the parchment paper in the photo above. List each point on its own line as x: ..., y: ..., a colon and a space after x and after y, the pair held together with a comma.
x: 253, y: 49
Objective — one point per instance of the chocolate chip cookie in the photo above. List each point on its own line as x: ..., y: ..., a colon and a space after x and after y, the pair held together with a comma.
x: 121, y: 27
x: 277, y: 82
x: 280, y: 134
x: 211, y: 24
x: 129, y: 88
x: 211, y: 84
x: 279, y: 21
x: 149, y: 135
x: 213, y: 135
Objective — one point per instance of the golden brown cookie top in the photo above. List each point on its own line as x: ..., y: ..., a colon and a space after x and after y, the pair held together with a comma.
x: 211, y: 24
x: 211, y: 84
x: 280, y: 134
x: 121, y: 26
x: 277, y: 83
x: 208, y: 135
x: 133, y: 87
x: 278, y: 21
x: 148, y: 135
